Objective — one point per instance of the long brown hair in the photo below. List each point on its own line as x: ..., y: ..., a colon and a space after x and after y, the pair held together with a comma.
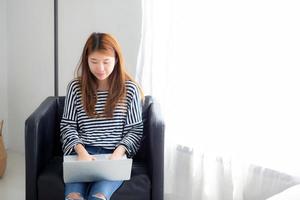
x: 88, y: 82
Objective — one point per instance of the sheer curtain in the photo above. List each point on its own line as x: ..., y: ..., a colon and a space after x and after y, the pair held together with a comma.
x: 226, y: 74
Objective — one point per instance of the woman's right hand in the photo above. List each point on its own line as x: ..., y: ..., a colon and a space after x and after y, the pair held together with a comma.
x: 85, y: 156
x: 82, y: 153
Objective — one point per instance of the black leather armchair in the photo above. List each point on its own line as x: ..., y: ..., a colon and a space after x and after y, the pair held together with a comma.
x: 43, y: 154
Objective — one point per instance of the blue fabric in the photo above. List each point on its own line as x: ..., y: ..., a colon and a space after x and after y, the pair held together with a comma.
x: 89, y: 190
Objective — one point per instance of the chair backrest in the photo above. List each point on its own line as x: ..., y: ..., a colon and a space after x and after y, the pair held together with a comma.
x: 142, y: 153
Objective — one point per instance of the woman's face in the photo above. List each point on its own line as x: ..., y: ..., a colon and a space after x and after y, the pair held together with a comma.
x: 101, y: 65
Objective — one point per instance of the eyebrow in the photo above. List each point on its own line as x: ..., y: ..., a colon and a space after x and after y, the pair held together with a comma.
x: 97, y: 59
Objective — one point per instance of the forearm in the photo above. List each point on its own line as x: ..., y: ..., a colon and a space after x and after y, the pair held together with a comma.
x: 69, y: 135
x: 120, y: 150
x: 118, y: 153
x: 80, y: 150
x: 133, y: 138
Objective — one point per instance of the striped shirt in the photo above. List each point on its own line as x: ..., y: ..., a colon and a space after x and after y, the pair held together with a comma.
x: 124, y: 128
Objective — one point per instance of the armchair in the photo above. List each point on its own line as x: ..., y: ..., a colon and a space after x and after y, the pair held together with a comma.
x: 43, y: 155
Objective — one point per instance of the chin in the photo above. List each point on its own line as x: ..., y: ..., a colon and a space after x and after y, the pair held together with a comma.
x: 101, y: 78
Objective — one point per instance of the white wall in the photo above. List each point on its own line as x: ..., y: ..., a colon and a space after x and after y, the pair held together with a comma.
x: 3, y: 70
x: 27, y: 60
x: 79, y: 18
x: 30, y: 62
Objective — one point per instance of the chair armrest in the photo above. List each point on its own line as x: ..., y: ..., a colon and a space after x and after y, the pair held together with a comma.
x: 40, y: 128
x: 156, y: 150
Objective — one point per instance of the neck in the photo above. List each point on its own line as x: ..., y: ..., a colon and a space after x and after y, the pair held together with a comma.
x: 103, y: 85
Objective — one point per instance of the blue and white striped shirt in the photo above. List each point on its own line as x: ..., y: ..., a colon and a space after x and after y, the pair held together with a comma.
x: 124, y: 128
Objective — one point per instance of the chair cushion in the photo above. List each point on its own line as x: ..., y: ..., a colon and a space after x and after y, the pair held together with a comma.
x: 50, y: 180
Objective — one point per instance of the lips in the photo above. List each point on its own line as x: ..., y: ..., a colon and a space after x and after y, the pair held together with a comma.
x: 101, y: 74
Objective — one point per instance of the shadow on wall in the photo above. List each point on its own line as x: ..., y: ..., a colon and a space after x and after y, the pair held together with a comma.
x: 3, y: 155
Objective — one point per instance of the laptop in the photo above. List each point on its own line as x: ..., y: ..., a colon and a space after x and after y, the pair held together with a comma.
x: 100, y: 169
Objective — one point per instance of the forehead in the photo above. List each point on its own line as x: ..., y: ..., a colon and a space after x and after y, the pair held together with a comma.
x: 101, y: 55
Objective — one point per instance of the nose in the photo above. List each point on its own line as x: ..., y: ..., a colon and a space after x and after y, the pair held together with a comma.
x: 101, y: 67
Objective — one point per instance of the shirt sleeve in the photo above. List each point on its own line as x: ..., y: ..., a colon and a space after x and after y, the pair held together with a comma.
x: 133, y: 128
x: 68, y: 125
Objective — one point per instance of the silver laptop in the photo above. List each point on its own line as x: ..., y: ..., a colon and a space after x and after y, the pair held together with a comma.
x: 100, y: 169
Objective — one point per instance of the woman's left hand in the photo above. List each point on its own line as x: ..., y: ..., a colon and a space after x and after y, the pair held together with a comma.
x: 118, y: 153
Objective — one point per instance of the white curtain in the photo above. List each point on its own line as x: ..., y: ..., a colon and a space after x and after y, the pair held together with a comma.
x: 226, y: 74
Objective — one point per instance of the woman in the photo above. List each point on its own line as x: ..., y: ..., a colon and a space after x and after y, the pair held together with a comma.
x: 102, y: 113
